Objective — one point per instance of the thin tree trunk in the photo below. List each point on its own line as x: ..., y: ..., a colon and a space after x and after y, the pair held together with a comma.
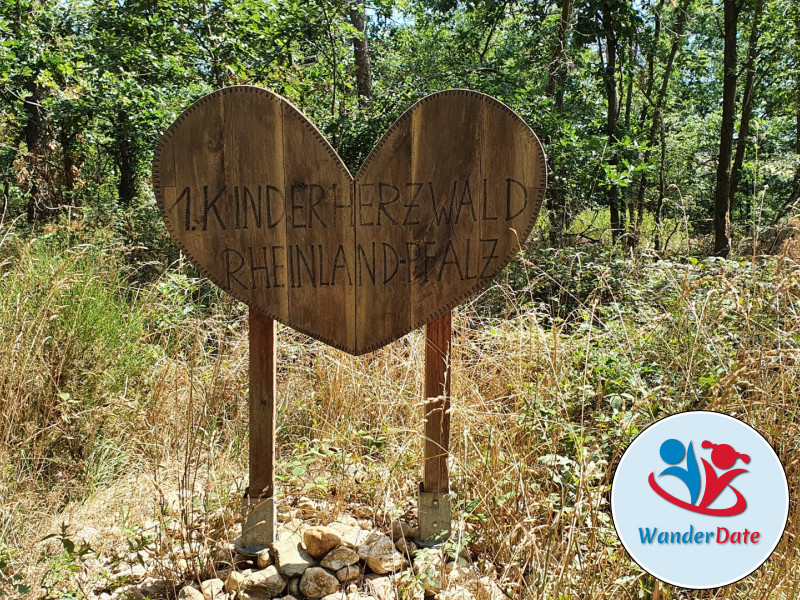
x: 555, y: 78
x: 747, y: 106
x: 33, y: 131
x: 361, y: 58
x: 34, y: 134
x: 126, y: 162
x: 629, y: 88
x: 633, y: 238
x: 656, y: 124
x: 648, y: 92
x: 68, y: 159
x: 722, y: 231
x: 557, y: 209
x: 612, y: 117
x: 796, y: 183
x: 662, y: 142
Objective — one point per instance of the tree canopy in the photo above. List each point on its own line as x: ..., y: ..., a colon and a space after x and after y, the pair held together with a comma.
x: 656, y: 115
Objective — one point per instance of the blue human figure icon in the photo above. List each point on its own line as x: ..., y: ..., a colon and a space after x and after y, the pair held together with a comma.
x: 672, y: 452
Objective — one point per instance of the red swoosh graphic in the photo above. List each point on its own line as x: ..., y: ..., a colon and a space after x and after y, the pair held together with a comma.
x: 737, y: 508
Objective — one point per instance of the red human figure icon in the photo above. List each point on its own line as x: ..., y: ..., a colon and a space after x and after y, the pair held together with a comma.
x: 724, y: 457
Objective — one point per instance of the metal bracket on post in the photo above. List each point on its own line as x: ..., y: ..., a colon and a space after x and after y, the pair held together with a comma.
x: 434, y: 517
x: 258, y: 525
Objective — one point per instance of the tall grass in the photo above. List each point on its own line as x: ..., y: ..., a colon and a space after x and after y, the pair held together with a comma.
x: 124, y: 409
x: 73, y: 344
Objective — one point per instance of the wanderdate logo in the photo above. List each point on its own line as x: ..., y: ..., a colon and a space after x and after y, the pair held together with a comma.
x: 723, y: 457
x: 699, y: 499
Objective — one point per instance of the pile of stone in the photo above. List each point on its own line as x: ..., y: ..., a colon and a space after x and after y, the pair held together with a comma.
x: 315, y: 562
x: 346, y: 562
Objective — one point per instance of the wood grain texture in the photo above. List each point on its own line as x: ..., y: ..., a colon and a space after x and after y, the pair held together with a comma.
x: 264, y: 207
x: 262, y: 405
x: 436, y: 473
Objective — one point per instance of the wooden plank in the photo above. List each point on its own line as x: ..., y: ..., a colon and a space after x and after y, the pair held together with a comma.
x: 436, y: 473
x: 386, y: 233
x: 320, y: 251
x: 224, y: 160
x: 262, y: 405
x: 514, y: 168
x: 254, y: 178
x: 450, y: 166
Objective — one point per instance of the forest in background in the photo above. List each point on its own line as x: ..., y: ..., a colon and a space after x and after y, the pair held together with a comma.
x: 655, y: 115
x: 664, y: 275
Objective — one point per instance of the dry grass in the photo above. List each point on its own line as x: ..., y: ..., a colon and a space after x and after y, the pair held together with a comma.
x: 124, y: 413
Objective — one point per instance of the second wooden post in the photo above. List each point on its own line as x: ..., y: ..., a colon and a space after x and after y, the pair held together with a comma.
x: 434, y: 492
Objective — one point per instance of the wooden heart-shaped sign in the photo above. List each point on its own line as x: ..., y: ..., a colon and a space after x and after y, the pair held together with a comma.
x: 265, y: 208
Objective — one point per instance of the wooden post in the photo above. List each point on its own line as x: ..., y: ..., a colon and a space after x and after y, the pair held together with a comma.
x: 434, y: 499
x: 436, y: 476
x: 258, y: 530
x: 262, y: 405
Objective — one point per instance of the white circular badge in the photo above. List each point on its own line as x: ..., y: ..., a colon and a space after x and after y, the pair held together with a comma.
x: 699, y: 500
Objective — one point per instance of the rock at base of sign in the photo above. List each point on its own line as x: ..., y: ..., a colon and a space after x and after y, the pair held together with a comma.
x: 352, y: 534
x: 379, y: 553
x: 403, y: 530
x: 338, y: 558
x: 262, y: 585
x: 264, y: 559
x: 316, y: 582
x: 429, y: 566
x: 290, y: 557
x: 320, y: 540
x: 405, y: 547
x: 348, y: 573
x: 293, y: 587
x: 212, y: 588
x: 381, y: 587
x: 306, y: 506
x: 190, y: 593
x: 234, y: 581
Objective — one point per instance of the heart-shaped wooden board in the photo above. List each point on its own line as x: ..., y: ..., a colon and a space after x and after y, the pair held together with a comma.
x: 265, y: 208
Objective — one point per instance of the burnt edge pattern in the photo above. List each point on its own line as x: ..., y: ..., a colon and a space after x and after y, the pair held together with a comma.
x: 482, y: 285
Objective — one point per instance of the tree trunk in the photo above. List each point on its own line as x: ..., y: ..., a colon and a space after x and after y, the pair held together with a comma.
x: 796, y: 183
x: 662, y: 142
x: 612, y: 117
x: 650, y: 82
x: 358, y: 19
x: 722, y: 226
x: 34, y: 134
x: 555, y: 79
x: 66, y: 139
x: 633, y: 232
x: 656, y: 125
x: 747, y: 106
x: 556, y: 200
x: 126, y: 161
x: 789, y: 204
